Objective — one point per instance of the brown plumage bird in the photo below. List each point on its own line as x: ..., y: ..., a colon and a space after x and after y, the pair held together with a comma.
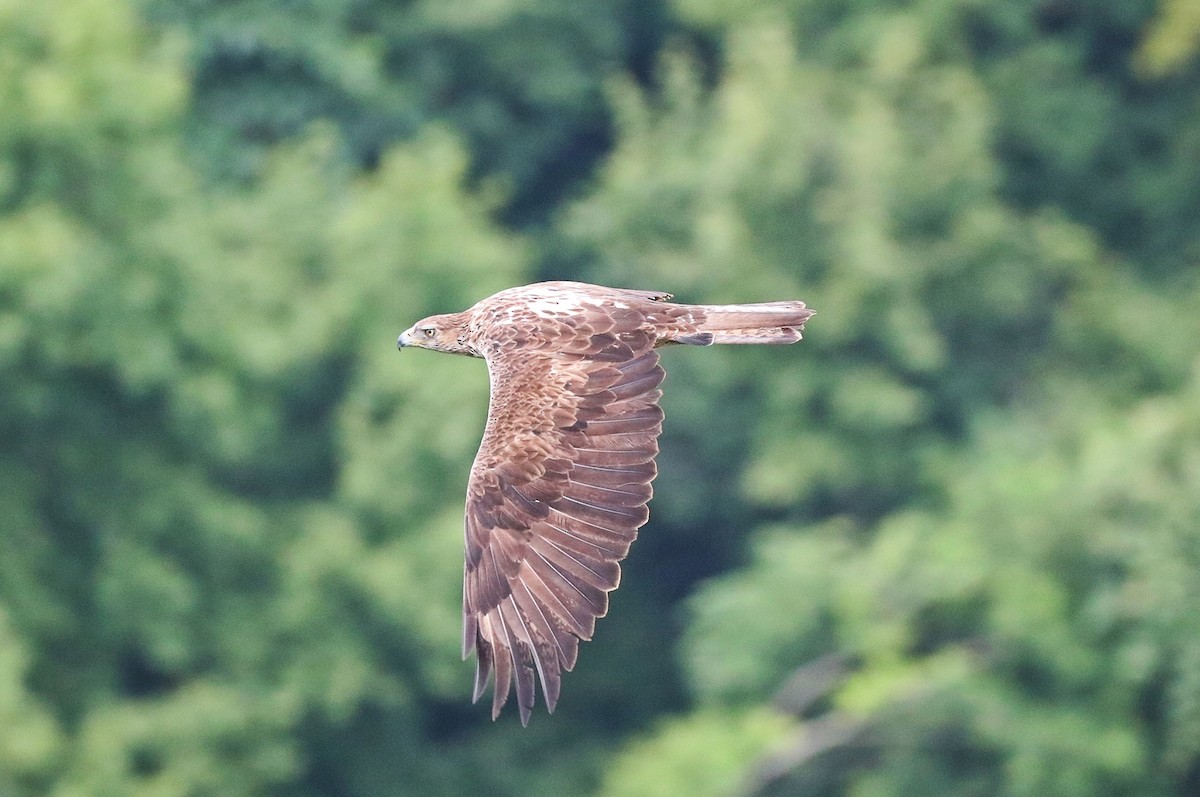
x: 560, y: 485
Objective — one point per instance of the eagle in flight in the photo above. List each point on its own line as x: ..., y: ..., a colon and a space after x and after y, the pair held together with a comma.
x: 560, y: 485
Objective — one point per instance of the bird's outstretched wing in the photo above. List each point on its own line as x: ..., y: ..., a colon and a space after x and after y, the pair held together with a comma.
x: 556, y: 495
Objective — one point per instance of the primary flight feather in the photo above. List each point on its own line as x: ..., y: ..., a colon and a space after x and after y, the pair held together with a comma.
x: 560, y: 485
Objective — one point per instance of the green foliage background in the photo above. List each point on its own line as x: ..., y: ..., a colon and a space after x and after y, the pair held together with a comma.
x: 948, y: 545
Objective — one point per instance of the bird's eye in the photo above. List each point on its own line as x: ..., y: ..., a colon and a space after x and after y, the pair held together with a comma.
x: 428, y: 332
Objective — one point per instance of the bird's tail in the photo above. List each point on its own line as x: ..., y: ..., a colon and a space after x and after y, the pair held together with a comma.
x: 765, y: 322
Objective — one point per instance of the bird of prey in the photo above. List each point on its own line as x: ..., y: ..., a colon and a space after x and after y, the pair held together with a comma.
x: 559, y: 487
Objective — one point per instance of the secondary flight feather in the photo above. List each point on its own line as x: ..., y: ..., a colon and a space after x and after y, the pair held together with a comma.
x: 560, y: 485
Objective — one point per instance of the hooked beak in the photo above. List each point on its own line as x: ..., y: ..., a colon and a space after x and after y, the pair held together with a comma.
x: 404, y: 340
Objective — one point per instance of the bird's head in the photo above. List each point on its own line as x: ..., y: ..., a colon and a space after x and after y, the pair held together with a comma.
x: 446, y: 333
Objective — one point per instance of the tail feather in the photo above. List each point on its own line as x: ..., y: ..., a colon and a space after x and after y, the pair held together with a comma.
x: 765, y: 322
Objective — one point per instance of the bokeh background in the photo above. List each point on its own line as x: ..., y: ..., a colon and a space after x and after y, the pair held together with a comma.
x: 948, y: 545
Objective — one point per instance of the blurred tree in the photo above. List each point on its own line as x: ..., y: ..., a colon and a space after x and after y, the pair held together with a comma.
x: 1031, y: 636
x: 1078, y: 127
x: 520, y: 81
x: 871, y: 191
x: 949, y: 542
x: 863, y: 157
x: 1174, y: 38
x: 197, y: 586
x: 29, y: 737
